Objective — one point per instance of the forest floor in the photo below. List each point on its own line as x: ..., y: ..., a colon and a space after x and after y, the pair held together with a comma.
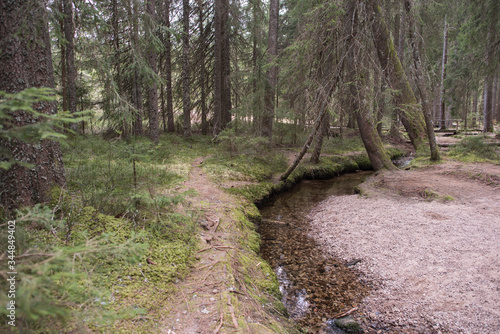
x: 214, y: 297
x: 428, y: 243
x: 427, y: 238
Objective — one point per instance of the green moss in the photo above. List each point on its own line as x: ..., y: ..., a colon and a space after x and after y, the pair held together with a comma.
x: 474, y: 149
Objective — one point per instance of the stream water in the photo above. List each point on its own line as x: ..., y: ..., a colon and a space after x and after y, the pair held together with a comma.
x: 315, y: 287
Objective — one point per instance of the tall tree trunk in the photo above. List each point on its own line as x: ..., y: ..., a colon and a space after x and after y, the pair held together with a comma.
x: 405, y: 100
x: 421, y: 84
x: 168, y: 69
x: 222, y: 89
x: 474, y: 108
x: 497, y: 100
x: 117, y: 61
x: 218, y: 72
x: 466, y: 109
x: 226, y: 67
x: 186, y: 75
x: 153, y: 84
x: 444, y: 60
x: 62, y: 45
x: 133, y: 13
x: 380, y: 102
x: 203, y: 70
x: 489, y: 106
x: 24, y: 33
x: 69, y: 35
x: 272, y: 73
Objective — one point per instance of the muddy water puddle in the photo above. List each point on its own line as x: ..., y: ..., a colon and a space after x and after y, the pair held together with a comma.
x: 315, y: 288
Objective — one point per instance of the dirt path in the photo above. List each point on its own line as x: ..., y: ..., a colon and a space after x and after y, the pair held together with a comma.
x: 195, y: 307
x: 214, y: 297
x: 429, y: 242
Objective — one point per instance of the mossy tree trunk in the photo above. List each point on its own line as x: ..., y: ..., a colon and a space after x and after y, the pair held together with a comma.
x: 405, y: 100
x: 356, y: 78
x: 421, y: 84
x: 28, y: 63
x: 323, y: 131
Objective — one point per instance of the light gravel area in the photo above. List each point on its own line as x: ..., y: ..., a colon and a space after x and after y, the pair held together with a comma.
x: 429, y: 244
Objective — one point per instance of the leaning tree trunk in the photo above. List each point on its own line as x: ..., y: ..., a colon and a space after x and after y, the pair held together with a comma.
x: 356, y: 79
x: 421, y: 85
x: 348, y: 38
x: 323, y: 131
x: 405, y: 100
x: 24, y: 33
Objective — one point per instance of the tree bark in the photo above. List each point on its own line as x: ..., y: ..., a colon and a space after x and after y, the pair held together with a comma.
x: 186, y: 75
x: 218, y: 73
x: 168, y: 69
x: 497, y: 99
x: 323, y: 131
x: 69, y: 35
x: 226, y: 67
x: 405, y: 100
x: 203, y: 70
x: 272, y: 73
x: 421, y: 84
x: 489, y: 107
x: 28, y: 63
x: 133, y: 13
x: 475, y: 99
x: 222, y: 89
x: 356, y: 78
x: 62, y: 45
x: 444, y: 60
x: 153, y: 84
x: 349, y: 36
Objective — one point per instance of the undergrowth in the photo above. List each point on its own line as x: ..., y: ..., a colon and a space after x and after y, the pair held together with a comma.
x: 104, y: 252
x: 474, y: 149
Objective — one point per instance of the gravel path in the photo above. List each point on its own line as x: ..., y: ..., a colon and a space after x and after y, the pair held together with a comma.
x: 429, y: 243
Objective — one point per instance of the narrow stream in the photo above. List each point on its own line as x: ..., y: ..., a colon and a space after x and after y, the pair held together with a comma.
x: 315, y: 287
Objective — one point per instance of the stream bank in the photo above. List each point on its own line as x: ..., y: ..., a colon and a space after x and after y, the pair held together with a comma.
x: 316, y: 288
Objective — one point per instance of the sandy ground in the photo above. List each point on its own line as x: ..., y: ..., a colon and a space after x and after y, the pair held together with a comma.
x: 429, y: 243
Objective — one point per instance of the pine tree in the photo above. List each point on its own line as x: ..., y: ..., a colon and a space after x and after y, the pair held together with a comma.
x: 24, y: 32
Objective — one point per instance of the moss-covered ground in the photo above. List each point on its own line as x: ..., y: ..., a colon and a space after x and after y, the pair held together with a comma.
x: 123, y: 233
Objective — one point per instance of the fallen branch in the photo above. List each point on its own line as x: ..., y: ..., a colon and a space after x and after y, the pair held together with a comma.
x: 220, y: 325
x: 343, y: 314
x: 216, y: 226
x: 209, y: 265
x: 231, y: 310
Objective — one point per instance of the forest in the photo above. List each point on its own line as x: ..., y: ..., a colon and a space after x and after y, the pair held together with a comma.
x: 140, y: 138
